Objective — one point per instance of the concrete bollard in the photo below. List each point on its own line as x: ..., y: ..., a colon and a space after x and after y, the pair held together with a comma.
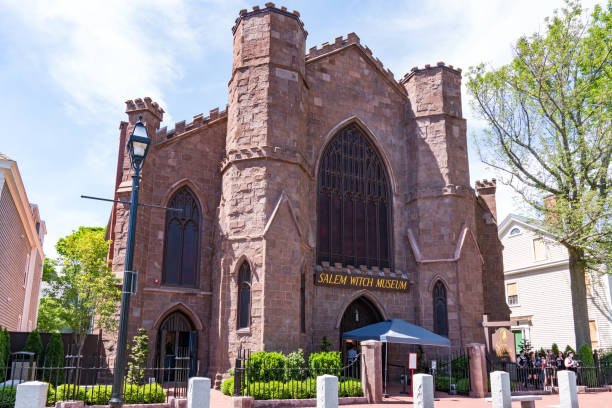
x: 198, y: 392
x: 568, y: 393
x: 327, y: 391
x: 423, y: 389
x: 500, y: 389
x: 31, y: 394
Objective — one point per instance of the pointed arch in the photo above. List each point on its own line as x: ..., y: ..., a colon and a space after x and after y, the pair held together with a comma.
x: 185, y: 182
x: 356, y: 295
x: 440, y: 308
x: 354, y: 201
x: 179, y: 307
x: 182, y: 237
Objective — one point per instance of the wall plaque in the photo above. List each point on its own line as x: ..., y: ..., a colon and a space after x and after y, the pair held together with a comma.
x: 343, y: 280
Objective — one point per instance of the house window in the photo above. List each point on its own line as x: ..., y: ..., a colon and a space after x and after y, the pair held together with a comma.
x: 512, y: 294
x: 354, y: 202
x: 588, y: 284
x: 539, y: 249
x: 440, y: 310
x: 182, y: 240
x: 515, y: 231
x: 244, y: 295
x: 594, y: 334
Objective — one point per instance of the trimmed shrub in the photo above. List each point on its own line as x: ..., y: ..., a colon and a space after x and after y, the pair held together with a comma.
x: 585, y: 355
x: 34, y: 344
x: 301, y: 389
x: 460, y: 367
x: 325, y: 361
x: 54, y: 360
x: 350, y: 388
x: 139, y: 353
x: 50, y: 395
x: 7, y: 396
x: 295, y: 362
x: 568, y: 349
x: 67, y: 392
x: 463, y: 386
x: 132, y: 394
x: 99, y: 395
x: 264, y: 366
x: 227, y: 386
x: 151, y: 393
x: 555, y: 349
x: 443, y: 383
x: 261, y: 390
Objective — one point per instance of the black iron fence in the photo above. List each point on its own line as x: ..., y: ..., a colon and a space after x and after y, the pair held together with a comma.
x: 265, y: 381
x: 537, y: 378
x: 81, y: 379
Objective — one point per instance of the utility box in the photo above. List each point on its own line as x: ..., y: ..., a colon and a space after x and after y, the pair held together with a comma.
x: 23, y: 366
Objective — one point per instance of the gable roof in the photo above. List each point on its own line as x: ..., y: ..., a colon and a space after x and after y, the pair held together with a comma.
x: 529, y: 223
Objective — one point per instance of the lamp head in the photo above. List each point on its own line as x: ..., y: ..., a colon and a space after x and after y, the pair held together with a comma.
x: 138, y: 143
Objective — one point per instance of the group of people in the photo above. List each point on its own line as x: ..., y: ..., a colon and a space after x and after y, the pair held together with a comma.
x: 541, y: 369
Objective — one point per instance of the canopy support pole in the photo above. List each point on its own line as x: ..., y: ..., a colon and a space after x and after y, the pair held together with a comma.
x: 386, y: 365
x: 450, y: 370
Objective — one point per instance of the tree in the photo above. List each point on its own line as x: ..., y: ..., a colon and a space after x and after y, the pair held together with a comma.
x: 139, y: 353
x: 34, y: 344
x: 549, y: 135
x: 49, y: 318
x: 84, y: 290
x: 54, y: 360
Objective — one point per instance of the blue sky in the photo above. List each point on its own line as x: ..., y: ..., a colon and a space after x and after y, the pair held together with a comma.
x: 67, y: 67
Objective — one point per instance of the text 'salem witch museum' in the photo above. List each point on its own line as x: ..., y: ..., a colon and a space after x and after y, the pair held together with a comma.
x: 327, y: 196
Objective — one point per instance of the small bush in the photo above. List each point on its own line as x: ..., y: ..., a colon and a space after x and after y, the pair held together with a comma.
x: 463, y: 386
x: 132, y: 394
x: 568, y: 349
x: 295, y: 362
x: 7, y: 396
x: 99, y: 395
x: 261, y: 390
x: 443, y: 383
x: 227, y: 386
x: 265, y: 366
x: 54, y: 360
x: 151, y: 394
x: 66, y: 392
x: 555, y: 349
x: 350, y: 388
x: 325, y: 361
x: 34, y: 344
x: 585, y: 355
x: 301, y: 389
x: 460, y: 367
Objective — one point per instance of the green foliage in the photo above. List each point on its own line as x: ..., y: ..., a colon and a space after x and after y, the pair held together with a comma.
x: 50, y: 395
x: 7, y: 396
x: 328, y: 362
x: 265, y: 366
x: 350, y: 388
x: 295, y: 363
x: 606, y: 358
x: 99, y: 395
x: 585, y: 356
x: 34, y: 344
x: 84, y: 289
x: 54, y: 360
x: 460, y: 367
x: 443, y: 383
x: 139, y: 353
x: 541, y: 352
x: 227, y: 386
x: 549, y: 135
x: 303, y: 389
x: 325, y: 344
x: 132, y: 394
x: 463, y: 386
x: 422, y: 366
x: 4, y: 355
x: 66, y: 392
x: 49, y: 318
x: 568, y: 349
x: 555, y: 349
x: 525, y: 346
x: 299, y: 389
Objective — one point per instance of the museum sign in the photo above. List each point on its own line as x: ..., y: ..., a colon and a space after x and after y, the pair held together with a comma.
x: 342, y: 280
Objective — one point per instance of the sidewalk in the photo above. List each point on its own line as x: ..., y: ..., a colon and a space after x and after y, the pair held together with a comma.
x: 588, y: 400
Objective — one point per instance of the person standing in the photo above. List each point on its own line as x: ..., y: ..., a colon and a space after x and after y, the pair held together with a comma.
x: 570, y: 363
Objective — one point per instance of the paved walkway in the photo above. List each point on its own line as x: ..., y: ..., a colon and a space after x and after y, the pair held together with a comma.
x: 588, y: 400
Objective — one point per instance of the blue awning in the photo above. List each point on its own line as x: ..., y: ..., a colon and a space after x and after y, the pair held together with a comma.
x: 397, y: 331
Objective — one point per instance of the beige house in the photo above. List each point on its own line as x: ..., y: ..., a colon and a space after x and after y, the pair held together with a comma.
x: 537, y: 281
x: 21, y: 254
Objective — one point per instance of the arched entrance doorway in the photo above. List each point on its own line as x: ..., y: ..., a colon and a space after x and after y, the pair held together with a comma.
x: 361, y: 312
x: 177, y: 342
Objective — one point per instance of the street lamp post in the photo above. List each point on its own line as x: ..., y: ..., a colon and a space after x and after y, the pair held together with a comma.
x: 138, y: 145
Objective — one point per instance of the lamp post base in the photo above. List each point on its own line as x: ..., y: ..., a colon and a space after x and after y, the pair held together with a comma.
x: 116, y: 402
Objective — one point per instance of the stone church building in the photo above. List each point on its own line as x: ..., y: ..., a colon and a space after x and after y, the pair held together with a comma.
x: 327, y: 196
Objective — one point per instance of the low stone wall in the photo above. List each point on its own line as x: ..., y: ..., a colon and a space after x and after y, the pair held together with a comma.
x: 172, y: 403
x: 309, y: 402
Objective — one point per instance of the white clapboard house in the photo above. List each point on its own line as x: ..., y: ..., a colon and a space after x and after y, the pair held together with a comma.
x: 536, y: 273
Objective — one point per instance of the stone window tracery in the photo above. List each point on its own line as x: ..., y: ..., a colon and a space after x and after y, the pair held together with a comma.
x: 182, y: 240
x: 354, y: 202
x: 244, y: 296
x: 440, y: 309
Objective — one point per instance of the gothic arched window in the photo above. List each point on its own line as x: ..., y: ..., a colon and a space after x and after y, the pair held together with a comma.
x: 354, y: 202
x: 440, y: 310
x: 182, y: 240
x: 244, y: 295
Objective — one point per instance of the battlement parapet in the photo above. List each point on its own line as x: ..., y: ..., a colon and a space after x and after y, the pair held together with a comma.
x: 486, y: 184
x: 416, y: 70
x: 339, y: 43
x: 144, y: 104
x: 181, y: 127
x: 269, y: 7
x: 449, y: 189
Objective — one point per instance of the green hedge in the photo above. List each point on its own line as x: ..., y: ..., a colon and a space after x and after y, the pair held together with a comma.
x: 265, y: 366
x: 7, y: 396
x: 293, y: 389
x: 67, y: 392
x: 463, y: 386
x: 328, y: 362
x: 227, y: 386
x: 132, y: 394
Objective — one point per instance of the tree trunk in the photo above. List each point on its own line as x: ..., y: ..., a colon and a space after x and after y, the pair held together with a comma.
x: 579, y: 300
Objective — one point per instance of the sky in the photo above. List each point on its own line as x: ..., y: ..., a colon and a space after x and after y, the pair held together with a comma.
x: 67, y: 67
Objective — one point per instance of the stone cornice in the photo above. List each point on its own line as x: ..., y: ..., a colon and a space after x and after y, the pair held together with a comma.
x: 176, y: 290
x: 363, y: 270
x: 448, y: 190
x: 266, y: 153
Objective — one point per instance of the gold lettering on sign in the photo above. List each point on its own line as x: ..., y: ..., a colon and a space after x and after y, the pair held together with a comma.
x: 351, y: 281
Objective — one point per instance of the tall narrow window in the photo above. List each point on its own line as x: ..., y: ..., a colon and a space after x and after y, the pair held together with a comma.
x: 512, y: 293
x: 354, y: 202
x: 303, y: 302
x: 440, y: 310
x: 182, y: 238
x: 539, y: 249
x: 594, y: 334
x: 244, y: 296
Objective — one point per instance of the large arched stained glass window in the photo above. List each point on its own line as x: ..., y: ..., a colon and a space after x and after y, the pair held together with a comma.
x: 244, y: 296
x: 182, y: 242
x: 440, y: 309
x: 354, y: 202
